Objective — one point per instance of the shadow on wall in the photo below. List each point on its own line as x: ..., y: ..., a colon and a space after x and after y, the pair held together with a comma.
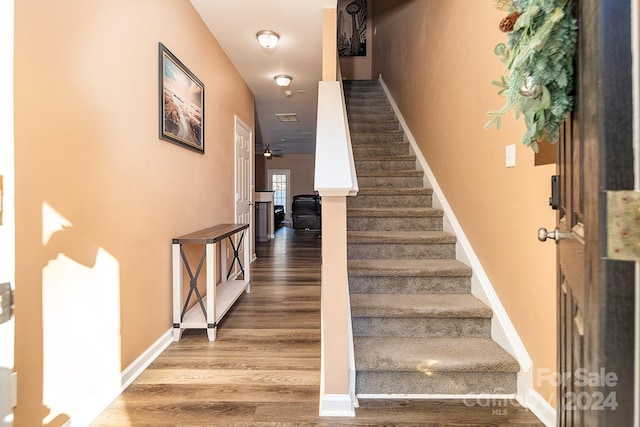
x: 78, y: 363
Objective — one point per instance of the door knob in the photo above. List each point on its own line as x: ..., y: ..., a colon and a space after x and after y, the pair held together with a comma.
x: 543, y: 234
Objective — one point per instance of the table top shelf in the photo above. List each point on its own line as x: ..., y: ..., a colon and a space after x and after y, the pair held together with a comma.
x: 210, y: 235
x: 226, y: 295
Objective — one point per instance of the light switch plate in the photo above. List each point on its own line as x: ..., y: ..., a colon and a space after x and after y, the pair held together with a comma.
x: 510, y: 155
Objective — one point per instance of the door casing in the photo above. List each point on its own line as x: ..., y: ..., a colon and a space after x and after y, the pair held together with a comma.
x: 244, y: 183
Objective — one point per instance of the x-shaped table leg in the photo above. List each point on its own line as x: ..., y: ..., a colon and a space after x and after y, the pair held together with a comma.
x: 236, y: 256
x: 193, y: 281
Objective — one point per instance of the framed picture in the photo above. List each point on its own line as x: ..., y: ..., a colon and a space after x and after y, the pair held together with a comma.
x: 181, y: 103
x: 352, y: 27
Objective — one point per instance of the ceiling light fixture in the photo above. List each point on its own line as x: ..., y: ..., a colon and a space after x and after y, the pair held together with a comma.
x: 283, y: 80
x: 267, y: 152
x: 267, y: 38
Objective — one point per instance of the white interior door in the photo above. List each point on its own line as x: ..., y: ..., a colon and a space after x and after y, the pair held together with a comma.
x: 244, y: 187
x: 7, y: 216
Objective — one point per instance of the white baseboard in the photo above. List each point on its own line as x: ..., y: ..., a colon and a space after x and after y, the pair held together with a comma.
x: 336, y: 405
x: 540, y: 407
x: 466, y: 397
x: 127, y: 376
x: 132, y: 371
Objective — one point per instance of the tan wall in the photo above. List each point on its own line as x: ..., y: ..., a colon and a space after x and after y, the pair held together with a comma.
x: 261, y: 172
x: 88, y: 156
x: 301, y: 166
x: 329, y: 44
x: 437, y: 59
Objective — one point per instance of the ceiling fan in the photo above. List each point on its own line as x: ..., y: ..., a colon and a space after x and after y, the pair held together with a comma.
x: 269, y: 153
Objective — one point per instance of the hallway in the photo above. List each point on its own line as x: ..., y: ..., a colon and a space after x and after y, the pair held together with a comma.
x: 264, y: 367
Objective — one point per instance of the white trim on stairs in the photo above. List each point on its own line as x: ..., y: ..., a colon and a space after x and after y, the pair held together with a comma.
x: 336, y: 405
x: 502, y: 330
x: 470, y: 399
x: 540, y: 407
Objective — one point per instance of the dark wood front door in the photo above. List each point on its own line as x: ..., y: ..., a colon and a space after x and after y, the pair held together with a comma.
x: 595, y: 294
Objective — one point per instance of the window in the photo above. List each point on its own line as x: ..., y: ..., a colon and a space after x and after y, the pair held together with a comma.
x: 279, y: 184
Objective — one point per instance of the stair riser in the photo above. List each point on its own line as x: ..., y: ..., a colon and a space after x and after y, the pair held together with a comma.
x: 379, y: 102
x: 401, y: 250
x: 394, y: 224
x: 350, y: 94
x: 370, y: 138
x: 368, y: 382
x: 386, y: 165
x: 368, y: 109
x: 361, y: 83
x: 409, y: 285
x: 390, y: 181
x: 374, y: 87
x: 371, y: 117
x: 373, y: 126
x: 421, y: 327
x: 378, y: 150
x: 377, y: 201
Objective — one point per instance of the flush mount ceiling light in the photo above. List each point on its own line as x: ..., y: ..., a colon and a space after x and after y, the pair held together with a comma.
x: 267, y: 38
x: 283, y: 80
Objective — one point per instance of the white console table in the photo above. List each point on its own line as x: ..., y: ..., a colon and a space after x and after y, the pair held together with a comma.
x: 220, y: 297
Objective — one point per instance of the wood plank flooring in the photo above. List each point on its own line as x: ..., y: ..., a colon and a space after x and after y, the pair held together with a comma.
x: 264, y: 367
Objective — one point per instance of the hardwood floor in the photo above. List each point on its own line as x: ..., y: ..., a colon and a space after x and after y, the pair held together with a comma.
x: 264, y: 367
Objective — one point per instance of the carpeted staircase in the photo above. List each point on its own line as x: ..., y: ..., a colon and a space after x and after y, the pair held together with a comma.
x: 417, y: 328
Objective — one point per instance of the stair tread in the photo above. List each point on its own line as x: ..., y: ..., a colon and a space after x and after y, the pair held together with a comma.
x: 419, y: 305
x: 377, y: 144
x: 363, y: 94
x: 379, y: 132
x: 360, y: 118
x: 432, y: 354
x: 366, y: 117
x: 381, y: 172
x: 400, y: 237
x: 396, y: 158
x: 394, y: 212
x: 390, y: 191
x: 407, y: 267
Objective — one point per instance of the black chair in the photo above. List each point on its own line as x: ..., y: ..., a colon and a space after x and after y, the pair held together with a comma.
x: 306, y: 212
x: 278, y: 214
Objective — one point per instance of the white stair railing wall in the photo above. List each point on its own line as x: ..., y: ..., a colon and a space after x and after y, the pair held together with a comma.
x: 335, y: 180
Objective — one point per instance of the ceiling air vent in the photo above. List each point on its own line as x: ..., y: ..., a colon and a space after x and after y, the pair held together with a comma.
x: 287, y: 117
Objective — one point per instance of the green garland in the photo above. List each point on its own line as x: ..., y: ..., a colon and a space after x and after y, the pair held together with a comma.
x: 539, y: 59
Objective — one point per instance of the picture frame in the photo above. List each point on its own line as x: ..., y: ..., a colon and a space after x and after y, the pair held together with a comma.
x: 181, y: 103
x: 352, y: 28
